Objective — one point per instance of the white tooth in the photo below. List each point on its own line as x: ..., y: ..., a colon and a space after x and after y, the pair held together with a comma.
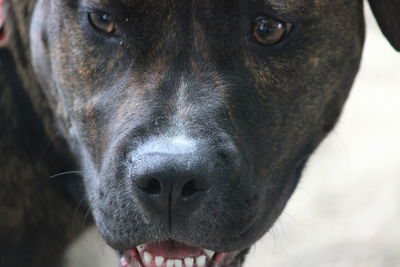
x: 140, y: 248
x: 201, y: 261
x: 159, y: 261
x: 178, y: 263
x: 147, y: 257
x: 170, y: 263
x: 209, y: 253
x: 189, y: 262
x: 124, y: 262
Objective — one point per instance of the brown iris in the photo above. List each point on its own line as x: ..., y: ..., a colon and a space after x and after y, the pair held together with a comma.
x: 269, y: 31
x: 102, y: 22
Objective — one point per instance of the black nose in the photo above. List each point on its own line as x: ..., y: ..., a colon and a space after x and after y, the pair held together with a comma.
x: 177, y: 185
x: 172, y: 176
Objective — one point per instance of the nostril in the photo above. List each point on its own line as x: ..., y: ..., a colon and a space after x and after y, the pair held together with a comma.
x: 191, y: 188
x: 223, y: 156
x: 151, y: 186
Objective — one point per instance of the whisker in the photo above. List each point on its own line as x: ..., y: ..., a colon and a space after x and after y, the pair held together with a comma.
x: 77, y: 209
x: 65, y: 173
x: 87, y: 213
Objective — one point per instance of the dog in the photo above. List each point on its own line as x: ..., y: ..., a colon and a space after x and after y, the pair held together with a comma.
x: 190, y: 121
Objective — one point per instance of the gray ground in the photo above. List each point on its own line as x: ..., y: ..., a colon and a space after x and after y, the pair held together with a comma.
x: 346, y: 211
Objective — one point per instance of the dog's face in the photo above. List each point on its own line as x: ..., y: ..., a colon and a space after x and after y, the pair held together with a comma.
x: 193, y: 119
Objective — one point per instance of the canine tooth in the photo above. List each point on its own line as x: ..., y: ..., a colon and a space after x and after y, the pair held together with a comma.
x: 140, y: 248
x: 178, y: 263
x: 170, y: 263
x: 159, y: 261
x: 209, y: 253
x: 147, y: 257
x: 189, y: 262
x: 201, y: 261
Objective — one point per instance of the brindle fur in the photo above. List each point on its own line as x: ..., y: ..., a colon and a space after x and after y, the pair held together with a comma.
x: 39, y: 218
x: 67, y: 89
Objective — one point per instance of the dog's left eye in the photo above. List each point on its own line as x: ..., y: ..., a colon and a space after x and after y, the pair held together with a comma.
x: 269, y: 31
x: 102, y: 22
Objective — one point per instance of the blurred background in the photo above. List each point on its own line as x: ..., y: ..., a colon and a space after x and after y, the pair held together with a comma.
x: 346, y: 210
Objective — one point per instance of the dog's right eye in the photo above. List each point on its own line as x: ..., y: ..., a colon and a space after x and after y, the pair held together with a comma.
x: 102, y: 22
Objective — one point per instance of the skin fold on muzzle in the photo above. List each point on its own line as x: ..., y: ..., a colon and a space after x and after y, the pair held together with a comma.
x: 190, y: 121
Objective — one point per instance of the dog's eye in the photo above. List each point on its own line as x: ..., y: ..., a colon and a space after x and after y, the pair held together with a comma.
x: 269, y: 31
x: 102, y: 22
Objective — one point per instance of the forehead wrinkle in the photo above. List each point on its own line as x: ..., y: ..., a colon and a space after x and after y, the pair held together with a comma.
x: 293, y: 5
x: 199, y: 40
x: 130, y: 3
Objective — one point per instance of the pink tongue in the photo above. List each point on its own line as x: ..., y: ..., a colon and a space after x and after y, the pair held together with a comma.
x: 173, y: 250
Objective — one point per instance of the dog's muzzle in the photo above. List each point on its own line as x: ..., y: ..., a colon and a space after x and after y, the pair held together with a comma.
x: 172, y: 177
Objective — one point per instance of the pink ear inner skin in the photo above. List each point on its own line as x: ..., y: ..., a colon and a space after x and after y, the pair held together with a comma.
x: 3, y: 35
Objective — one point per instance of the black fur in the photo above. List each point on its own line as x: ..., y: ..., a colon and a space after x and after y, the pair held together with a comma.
x: 387, y: 14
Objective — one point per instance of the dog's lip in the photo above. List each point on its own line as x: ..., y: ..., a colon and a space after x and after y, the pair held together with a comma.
x: 175, y: 254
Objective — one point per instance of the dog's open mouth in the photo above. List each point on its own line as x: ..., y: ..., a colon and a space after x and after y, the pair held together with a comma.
x: 175, y: 254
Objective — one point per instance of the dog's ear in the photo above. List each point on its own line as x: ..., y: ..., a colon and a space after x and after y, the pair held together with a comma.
x: 387, y: 13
